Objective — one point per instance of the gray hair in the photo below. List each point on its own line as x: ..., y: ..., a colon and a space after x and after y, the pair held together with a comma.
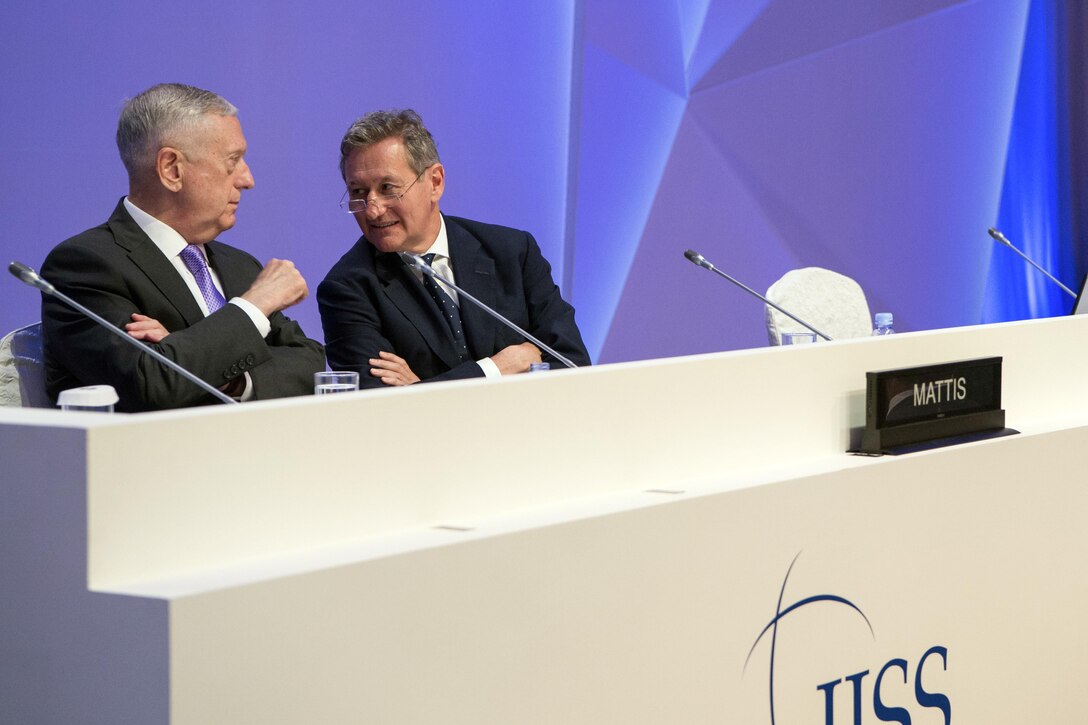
x: 155, y: 117
x: 403, y: 124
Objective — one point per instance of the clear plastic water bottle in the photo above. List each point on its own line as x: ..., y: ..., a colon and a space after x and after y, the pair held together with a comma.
x: 883, y: 324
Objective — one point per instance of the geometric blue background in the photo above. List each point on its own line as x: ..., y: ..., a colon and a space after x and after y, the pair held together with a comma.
x: 879, y: 139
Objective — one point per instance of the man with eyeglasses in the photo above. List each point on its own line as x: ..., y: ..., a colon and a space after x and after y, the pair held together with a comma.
x: 385, y: 320
x: 155, y: 270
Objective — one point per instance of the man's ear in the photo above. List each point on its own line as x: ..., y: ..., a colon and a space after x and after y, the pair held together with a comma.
x: 436, y: 178
x: 169, y: 163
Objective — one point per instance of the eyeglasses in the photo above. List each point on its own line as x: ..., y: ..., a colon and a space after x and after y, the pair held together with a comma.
x: 357, y: 205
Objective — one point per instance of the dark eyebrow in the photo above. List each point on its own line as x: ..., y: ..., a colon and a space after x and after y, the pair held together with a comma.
x: 385, y: 179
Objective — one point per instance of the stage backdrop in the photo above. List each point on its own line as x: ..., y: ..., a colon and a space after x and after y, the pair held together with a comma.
x: 879, y: 139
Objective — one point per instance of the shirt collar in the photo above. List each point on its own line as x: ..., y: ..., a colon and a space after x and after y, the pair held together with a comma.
x: 169, y: 242
x: 441, y: 246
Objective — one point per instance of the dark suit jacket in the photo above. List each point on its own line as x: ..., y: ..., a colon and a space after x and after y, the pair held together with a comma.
x: 115, y: 270
x: 372, y: 301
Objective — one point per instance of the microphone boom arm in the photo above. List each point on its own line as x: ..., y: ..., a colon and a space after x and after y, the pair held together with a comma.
x: 701, y: 261
x: 428, y: 270
x: 1002, y: 239
x: 32, y: 278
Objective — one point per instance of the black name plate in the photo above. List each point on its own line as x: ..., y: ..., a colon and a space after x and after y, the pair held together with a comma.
x: 914, y: 405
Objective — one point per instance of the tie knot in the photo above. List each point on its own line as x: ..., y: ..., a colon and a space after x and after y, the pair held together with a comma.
x: 429, y: 258
x: 191, y: 255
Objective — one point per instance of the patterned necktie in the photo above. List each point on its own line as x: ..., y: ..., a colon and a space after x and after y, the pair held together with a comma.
x: 448, y: 308
x: 195, y: 263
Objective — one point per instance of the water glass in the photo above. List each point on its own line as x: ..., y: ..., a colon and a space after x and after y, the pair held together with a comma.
x: 798, y: 338
x: 335, y: 382
x: 90, y: 398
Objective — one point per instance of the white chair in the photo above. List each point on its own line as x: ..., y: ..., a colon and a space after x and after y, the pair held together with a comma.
x: 22, y: 369
x: 831, y: 302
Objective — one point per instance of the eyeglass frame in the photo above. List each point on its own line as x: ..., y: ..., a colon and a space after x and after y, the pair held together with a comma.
x: 384, y: 200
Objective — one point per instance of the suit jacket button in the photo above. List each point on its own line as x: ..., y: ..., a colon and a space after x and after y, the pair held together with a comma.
x: 250, y: 358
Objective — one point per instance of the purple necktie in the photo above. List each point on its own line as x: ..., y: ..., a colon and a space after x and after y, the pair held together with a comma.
x: 195, y: 263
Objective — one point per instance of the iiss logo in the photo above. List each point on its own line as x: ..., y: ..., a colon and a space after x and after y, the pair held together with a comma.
x: 884, y: 711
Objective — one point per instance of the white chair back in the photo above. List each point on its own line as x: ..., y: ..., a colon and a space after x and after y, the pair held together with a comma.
x: 831, y: 302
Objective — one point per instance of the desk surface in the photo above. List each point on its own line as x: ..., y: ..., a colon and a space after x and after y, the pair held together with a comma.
x: 305, y: 474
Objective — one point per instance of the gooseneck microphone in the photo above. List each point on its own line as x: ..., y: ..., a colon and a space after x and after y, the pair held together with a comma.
x: 701, y: 261
x: 1001, y: 239
x: 32, y: 278
x: 421, y: 264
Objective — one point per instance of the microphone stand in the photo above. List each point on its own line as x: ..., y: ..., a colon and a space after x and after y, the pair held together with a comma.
x: 701, y: 261
x: 421, y: 264
x: 1001, y: 239
x: 32, y: 278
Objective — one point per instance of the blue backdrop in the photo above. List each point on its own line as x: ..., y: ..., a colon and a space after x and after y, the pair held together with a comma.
x: 880, y: 139
x: 1036, y: 195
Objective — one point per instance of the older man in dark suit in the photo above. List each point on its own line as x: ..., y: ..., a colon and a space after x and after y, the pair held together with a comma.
x: 383, y: 319
x: 155, y: 269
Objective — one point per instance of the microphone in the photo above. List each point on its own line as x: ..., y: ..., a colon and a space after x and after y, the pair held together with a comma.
x: 421, y: 264
x: 696, y: 258
x: 701, y: 261
x: 32, y: 278
x: 1001, y: 239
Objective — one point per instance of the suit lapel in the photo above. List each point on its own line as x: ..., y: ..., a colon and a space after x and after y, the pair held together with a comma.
x: 158, y: 269
x: 474, y: 271
x: 407, y: 295
x: 233, y: 277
